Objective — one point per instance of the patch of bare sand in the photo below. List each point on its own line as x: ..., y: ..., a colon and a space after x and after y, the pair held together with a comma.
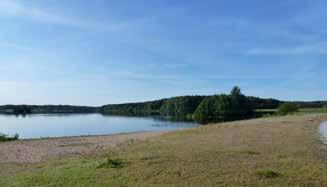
x: 33, y: 151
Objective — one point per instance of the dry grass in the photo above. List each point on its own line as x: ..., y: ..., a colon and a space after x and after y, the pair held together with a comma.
x: 279, y: 151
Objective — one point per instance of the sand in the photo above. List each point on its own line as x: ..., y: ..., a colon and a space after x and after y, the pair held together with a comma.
x: 38, y: 150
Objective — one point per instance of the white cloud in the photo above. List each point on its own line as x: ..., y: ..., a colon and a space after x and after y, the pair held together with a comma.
x: 306, y: 49
x: 16, y: 8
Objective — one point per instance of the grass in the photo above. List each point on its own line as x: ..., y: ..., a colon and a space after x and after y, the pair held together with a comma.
x: 267, y: 174
x: 277, y: 151
x: 301, y: 111
x: 112, y: 163
x: 6, y: 138
x: 313, y: 110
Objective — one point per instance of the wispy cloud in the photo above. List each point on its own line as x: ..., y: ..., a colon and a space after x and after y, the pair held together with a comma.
x: 20, y: 9
x: 306, y: 49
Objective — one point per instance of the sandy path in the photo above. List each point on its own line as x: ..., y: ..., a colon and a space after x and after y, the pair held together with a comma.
x: 32, y: 151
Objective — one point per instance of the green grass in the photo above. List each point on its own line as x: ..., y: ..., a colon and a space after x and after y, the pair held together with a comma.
x: 313, y: 110
x: 279, y: 151
x: 111, y: 163
x: 301, y: 111
x: 268, y: 174
x: 266, y: 110
x: 6, y: 138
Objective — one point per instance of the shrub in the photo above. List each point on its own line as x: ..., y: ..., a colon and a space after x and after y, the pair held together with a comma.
x: 111, y: 163
x: 5, y: 138
x: 287, y: 108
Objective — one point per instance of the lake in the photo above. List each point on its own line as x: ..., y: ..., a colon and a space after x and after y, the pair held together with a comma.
x: 323, y: 131
x: 54, y: 125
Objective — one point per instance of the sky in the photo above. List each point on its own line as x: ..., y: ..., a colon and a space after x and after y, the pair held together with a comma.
x: 97, y: 52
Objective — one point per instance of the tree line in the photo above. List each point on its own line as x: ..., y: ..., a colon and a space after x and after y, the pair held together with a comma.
x: 203, y: 109
x: 38, y: 109
x: 206, y: 109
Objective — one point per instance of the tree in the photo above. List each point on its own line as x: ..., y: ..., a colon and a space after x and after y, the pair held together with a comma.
x: 205, y: 111
x: 287, y: 108
x: 223, y: 107
x: 236, y: 91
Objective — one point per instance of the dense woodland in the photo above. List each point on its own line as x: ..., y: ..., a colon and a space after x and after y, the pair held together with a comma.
x: 206, y: 109
x: 224, y: 107
x: 134, y: 109
x: 203, y: 109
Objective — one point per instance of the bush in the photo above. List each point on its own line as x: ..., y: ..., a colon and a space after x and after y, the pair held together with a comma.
x: 5, y: 138
x: 287, y: 108
x: 111, y: 163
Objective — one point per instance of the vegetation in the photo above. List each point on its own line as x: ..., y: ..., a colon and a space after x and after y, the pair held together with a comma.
x: 180, y: 107
x: 259, y: 103
x: 37, y: 109
x: 223, y: 108
x: 111, y: 163
x: 203, y: 109
x: 207, y: 109
x: 134, y: 109
x: 287, y: 108
x: 313, y: 110
x: 311, y: 104
x: 267, y: 174
x: 279, y: 151
x: 6, y: 138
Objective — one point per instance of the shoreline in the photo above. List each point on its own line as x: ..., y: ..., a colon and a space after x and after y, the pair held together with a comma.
x: 38, y: 150
x: 84, y: 136
x: 41, y: 149
x: 239, y: 153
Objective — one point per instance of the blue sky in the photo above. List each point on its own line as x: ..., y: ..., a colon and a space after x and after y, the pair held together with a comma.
x: 113, y: 51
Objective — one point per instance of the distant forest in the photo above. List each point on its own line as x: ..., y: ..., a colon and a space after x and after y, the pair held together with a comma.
x: 46, y: 109
x: 178, y: 106
x: 206, y: 109
x: 203, y: 109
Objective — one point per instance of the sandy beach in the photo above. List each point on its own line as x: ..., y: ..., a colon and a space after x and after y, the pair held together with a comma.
x: 37, y: 150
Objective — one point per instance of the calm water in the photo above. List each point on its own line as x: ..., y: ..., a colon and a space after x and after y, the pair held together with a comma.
x: 51, y: 125
x: 323, y: 130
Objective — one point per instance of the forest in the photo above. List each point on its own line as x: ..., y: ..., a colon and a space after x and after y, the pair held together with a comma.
x: 46, y: 109
x: 203, y: 109
x: 206, y: 109
x: 195, y: 107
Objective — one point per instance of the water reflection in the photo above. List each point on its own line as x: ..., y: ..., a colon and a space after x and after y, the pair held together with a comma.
x: 58, y: 125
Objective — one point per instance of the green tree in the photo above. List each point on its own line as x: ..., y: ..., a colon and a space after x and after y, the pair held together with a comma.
x: 223, y: 108
x: 205, y: 111
x: 287, y: 108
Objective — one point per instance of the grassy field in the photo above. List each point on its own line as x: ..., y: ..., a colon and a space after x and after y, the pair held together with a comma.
x: 277, y: 151
x: 313, y: 110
